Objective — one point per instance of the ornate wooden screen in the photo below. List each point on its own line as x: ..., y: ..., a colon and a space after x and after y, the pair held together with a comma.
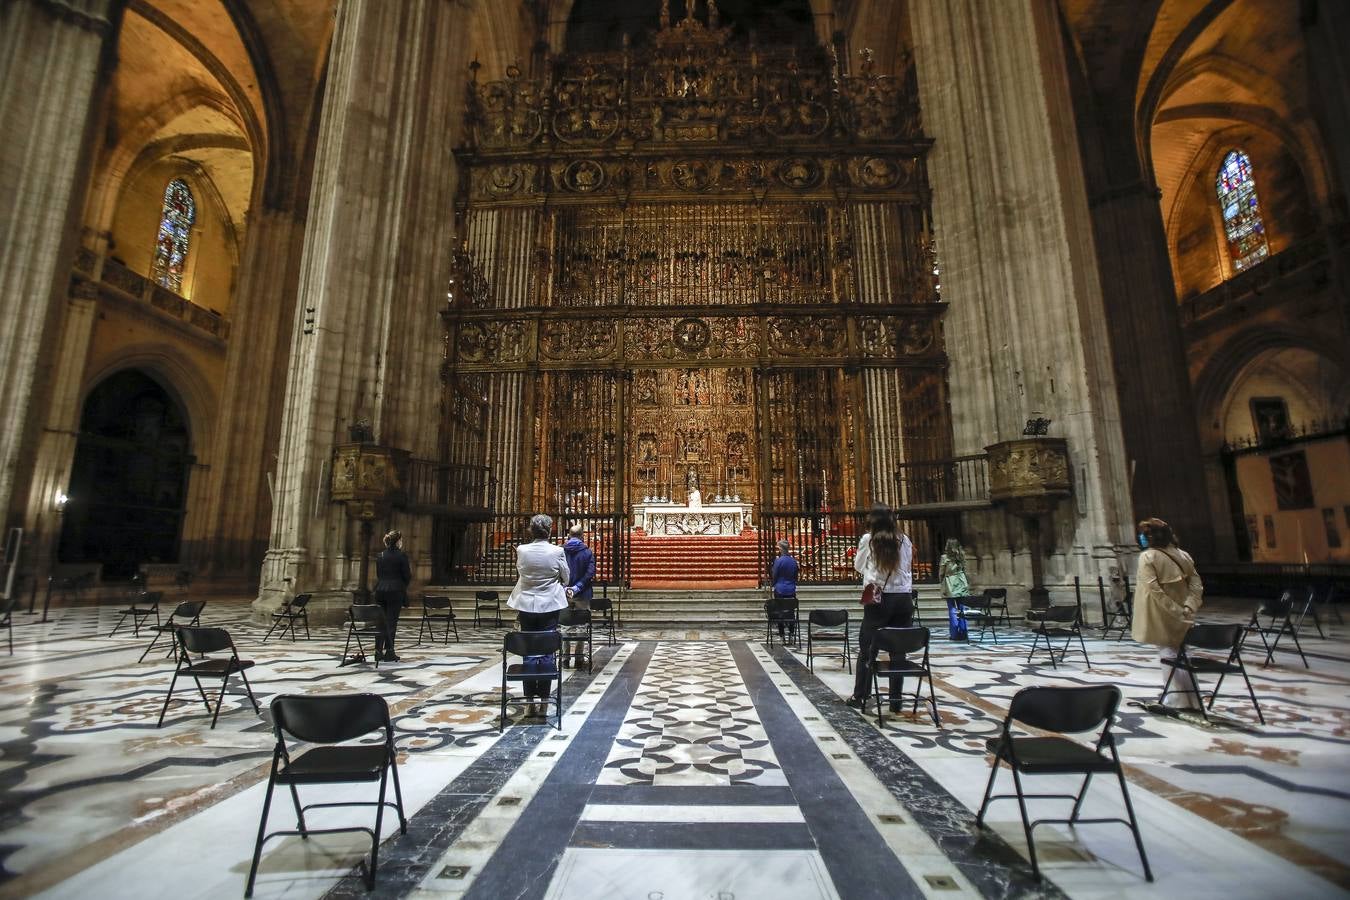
x: 693, y: 262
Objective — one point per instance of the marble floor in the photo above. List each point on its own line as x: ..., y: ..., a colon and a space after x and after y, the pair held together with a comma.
x: 688, y: 765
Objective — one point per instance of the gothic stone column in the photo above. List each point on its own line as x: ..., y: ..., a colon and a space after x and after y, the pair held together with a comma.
x: 366, y: 337
x: 248, y: 430
x: 51, y: 52
x: 55, y: 448
x: 1157, y: 411
x: 1025, y: 329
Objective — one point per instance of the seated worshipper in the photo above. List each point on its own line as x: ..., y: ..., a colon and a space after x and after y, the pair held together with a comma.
x: 539, y: 594
x: 581, y: 573
x: 783, y: 575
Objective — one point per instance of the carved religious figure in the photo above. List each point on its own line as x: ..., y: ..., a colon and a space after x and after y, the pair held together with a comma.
x: 694, y: 499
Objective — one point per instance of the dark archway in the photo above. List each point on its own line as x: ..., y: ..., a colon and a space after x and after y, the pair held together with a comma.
x: 128, y: 486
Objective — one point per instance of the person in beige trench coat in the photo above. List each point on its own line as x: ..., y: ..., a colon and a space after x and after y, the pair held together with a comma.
x: 1167, y: 595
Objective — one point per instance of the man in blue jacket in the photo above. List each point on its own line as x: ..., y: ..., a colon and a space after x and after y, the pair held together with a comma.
x: 581, y: 569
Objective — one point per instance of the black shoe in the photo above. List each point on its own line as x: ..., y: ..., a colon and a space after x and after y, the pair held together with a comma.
x: 856, y: 702
x: 897, y: 708
x: 391, y: 657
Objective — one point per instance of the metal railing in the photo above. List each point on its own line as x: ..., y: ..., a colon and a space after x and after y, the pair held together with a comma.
x: 484, y: 552
x: 442, y: 487
x: 824, y: 543
x: 961, y: 480
x: 1256, y: 282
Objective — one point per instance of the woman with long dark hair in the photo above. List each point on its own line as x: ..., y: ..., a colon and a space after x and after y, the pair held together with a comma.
x: 884, y: 558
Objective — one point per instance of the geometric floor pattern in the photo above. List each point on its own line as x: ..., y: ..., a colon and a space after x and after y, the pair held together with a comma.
x: 684, y: 768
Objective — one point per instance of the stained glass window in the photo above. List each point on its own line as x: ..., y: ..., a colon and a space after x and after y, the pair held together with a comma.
x: 175, y: 230
x: 1241, y: 216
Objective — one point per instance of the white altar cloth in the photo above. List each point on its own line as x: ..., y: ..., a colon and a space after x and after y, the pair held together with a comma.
x: 672, y: 519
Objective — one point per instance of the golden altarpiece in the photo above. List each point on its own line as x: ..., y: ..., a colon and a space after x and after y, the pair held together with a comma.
x: 695, y: 264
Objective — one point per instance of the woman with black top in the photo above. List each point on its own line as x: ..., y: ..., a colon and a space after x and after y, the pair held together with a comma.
x: 883, y: 558
x: 393, y: 574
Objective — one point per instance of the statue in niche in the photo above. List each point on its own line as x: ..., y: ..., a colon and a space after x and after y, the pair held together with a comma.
x: 647, y: 449
x: 646, y: 389
x: 738, y: 392
x: 692, y: 388
x: 694, y: 499
x: 736, y: 442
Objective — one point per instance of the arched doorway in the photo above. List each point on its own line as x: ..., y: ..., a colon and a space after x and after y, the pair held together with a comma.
x: 128, y: 485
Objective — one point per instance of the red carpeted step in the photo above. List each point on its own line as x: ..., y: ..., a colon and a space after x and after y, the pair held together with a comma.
x: 695, y: 561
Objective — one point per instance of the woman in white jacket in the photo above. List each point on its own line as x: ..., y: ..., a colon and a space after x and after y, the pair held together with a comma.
x: 539, y: 595
x: 884, y: 558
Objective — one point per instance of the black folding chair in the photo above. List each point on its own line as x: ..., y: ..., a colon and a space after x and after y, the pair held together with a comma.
x: 1057, y: 622
x: 189, y: 613
x: 363, y: 619
x: 998, y: 602
x: 782, y: 611
x: 608, y: 621
x: 143, y: 606
x: 487, y: 602
x: 1061, y: 709
x: 575, y: 625
x: 1310, y: 609
x: 329, y: 721
x: 1210, y: 637
x: 1280, y: 612
x: 898, y: 644
x: 1037, y: 605
x: 437, y: 608
x: 291, y: 610
x: 828, y: 626
x: 980, y: 609
x: 540, y: 646
x: 1120, y: 619
x: 203, y: 641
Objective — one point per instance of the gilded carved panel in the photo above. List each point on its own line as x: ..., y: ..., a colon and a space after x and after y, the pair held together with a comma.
x: 673, y: 338
x: 498, y: 341
x: 890, y: 337
x: 807, y: 336
x: 587, y: 340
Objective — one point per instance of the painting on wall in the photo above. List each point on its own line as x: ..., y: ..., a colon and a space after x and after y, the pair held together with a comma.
x: 1270, y: 418
x: 1253, y: 532
x: 1293, y: 483
x: 1333, y: 533
x: 1270, y: 531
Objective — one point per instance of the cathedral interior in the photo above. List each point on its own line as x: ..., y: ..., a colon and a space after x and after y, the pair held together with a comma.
x: 696, y: 277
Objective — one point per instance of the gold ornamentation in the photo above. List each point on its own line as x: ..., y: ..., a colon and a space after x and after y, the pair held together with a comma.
x: 584, y: 340
x: 815, y: 336
x: 1029, y: 474
x: 691, y: 335
x: 890, y: 337
x: 496, y: 341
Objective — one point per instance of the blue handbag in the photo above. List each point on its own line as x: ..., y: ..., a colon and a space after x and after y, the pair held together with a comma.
x: 544, y: 663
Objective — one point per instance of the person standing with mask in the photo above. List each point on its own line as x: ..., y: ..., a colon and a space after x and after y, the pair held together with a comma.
x: 1167, y: 595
